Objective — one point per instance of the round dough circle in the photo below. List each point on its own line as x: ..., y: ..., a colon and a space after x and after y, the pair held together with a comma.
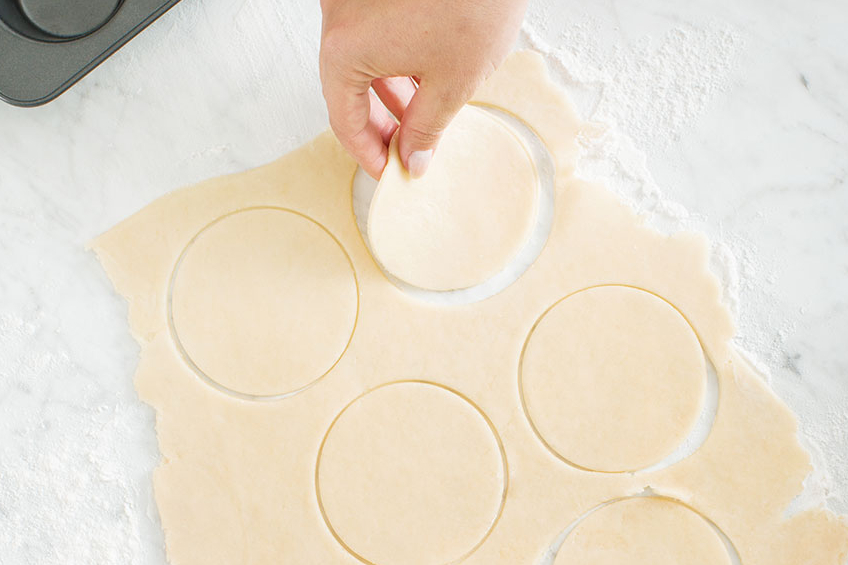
x: 643, y: 531
x: 411, y: 473
x: 612, y: 379
x: 263, y: 302
x: 467, y: 218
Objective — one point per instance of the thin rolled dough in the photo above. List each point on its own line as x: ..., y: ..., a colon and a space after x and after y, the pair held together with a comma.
x: 592, y: 365
x: 467, y: 218
x: 643, y: 531
x: 237, y: 482
x: 411, y: 473
x: 253, y: 312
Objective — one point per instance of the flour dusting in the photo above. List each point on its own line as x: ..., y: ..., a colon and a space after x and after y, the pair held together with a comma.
x: 638, y: 99
x: 66, y: 478
x: 229, y: 85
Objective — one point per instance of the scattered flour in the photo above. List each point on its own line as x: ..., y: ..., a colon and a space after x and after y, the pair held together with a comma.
x: 70, y: 483
x: 638, y: 99
x: 72, y: 489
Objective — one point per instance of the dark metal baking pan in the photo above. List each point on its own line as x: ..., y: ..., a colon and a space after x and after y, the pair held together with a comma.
x: 48, y: 45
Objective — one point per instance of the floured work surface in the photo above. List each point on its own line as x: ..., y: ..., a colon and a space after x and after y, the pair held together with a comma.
x: 310, y: 412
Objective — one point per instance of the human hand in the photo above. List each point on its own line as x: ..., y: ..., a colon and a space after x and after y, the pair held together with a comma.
x: 424, y: 60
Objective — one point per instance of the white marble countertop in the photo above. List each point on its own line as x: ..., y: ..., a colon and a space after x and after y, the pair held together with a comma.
x: 216, y: 86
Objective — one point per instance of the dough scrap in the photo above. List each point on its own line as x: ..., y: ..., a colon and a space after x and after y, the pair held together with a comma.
x: 593, y: 365
x: 467, y: 218
x: 411, y: 473
x: 255, y: 462
x: 643, y: 531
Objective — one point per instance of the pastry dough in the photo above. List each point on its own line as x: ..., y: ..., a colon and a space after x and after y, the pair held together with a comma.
x: 254, y: 313
x: 593, y: 364
x: 643, y: 531
x: 411, y: 473
x: 467, y: 218
x: 237, y: 483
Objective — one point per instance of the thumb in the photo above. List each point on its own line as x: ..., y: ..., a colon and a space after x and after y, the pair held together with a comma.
x: 424, y: 120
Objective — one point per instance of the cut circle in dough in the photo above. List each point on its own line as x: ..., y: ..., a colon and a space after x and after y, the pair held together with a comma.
x: 252, y: 313
x: 643, y: 531
x: 237, y: 481
x: 467, y: 217
x: 612, y: 379
x: 411, y: 473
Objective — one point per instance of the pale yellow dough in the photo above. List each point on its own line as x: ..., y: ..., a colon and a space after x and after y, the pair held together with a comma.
x: 464, y: 220
x: 254, y: 312
x: 593, y: 363
x: 411, y: 473
x: 240, y: 480
x: 643, y: 531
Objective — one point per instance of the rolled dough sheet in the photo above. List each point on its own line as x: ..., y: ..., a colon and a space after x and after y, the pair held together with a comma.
x: 243, y: 479
x: 467, y: 218
x: 591, y: 365
x: 411, y: 457
x: 643, y: 531
x: 248, y: 270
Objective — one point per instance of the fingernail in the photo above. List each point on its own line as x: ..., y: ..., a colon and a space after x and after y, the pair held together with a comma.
x: 418, y: 162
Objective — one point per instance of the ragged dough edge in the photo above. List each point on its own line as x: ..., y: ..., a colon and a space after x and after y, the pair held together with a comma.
x: 742, y: 478
x: 145, y: 300
x: 507, y: 90
x: 138, y: 252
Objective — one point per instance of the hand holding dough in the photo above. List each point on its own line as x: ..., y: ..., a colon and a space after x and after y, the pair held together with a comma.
x: 272, y: 285
x: 467, y: 217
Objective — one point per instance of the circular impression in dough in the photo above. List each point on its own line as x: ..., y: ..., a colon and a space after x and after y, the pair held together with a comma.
x: 612, y: 379
x: 467, y: 218
x: 411, y: 473
x: 646, y: 531
x: 263, y: 302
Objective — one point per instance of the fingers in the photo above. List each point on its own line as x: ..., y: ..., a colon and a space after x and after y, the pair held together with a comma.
x: 395, y: 92
x: 380, y: 117
x: 365, y: 128
x: 425, y: 119
x: 361, y: 123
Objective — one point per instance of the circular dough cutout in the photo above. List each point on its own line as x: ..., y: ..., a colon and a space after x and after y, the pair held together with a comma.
x: 467, y: 217
x: 643, y: 531
x: 263, y: 302
x: 411, y: 473
x: 612, y: 379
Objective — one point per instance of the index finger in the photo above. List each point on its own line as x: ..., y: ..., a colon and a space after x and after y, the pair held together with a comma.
x: 361, y: 123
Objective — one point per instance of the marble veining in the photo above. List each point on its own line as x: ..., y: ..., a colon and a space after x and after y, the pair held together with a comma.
x: 219, y: 86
